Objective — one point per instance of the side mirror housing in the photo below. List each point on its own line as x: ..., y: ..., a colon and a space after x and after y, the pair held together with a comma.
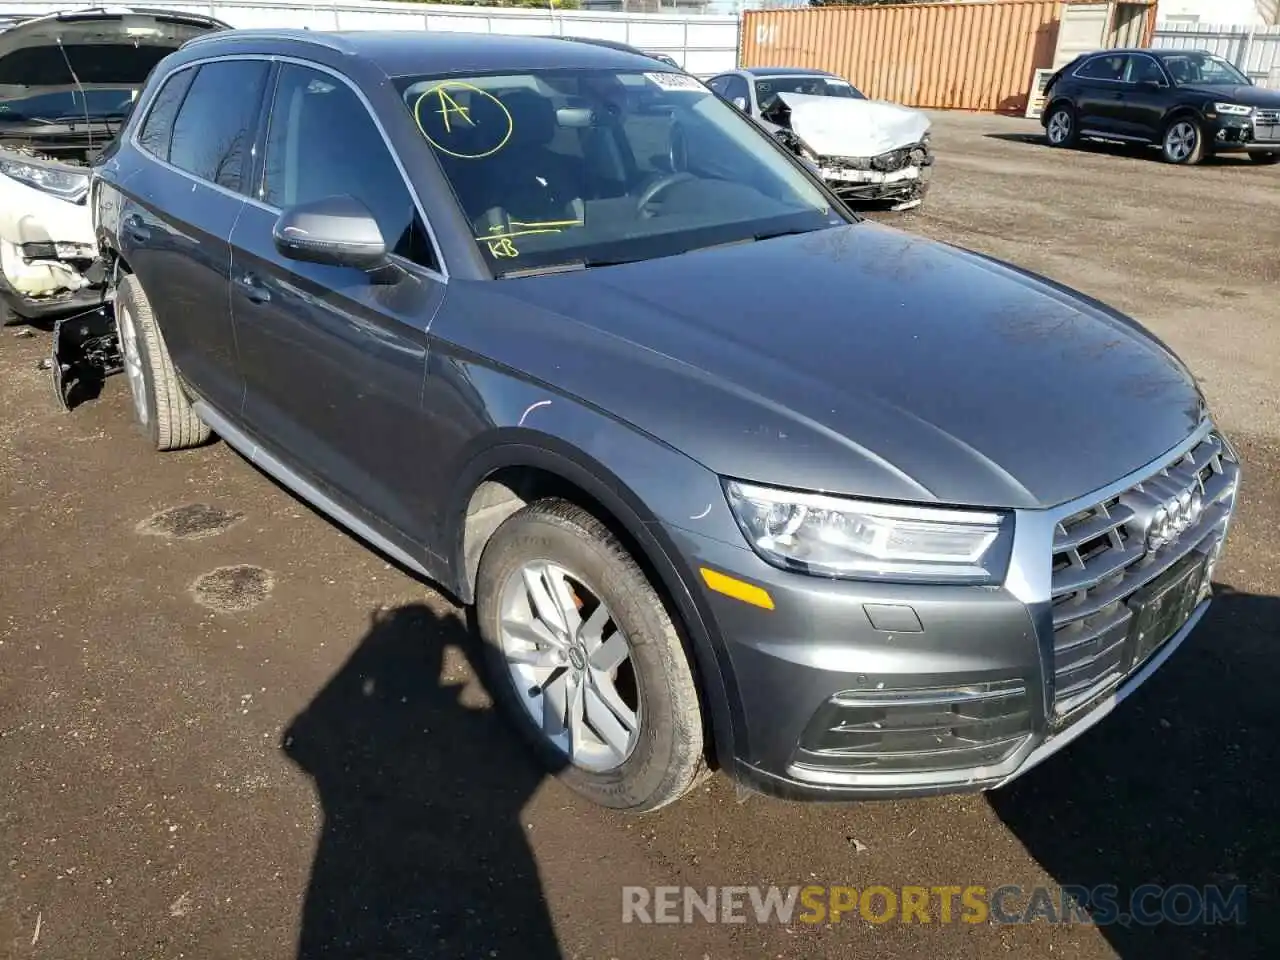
x: 1152, y: 84
x: 740, y: 103
x: 337, y: 231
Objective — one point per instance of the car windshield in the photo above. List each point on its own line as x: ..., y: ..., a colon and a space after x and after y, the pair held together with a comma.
x: 1192, y: 69
x: 69, y: 105
x: 768, y: 88
x: 591, y: 167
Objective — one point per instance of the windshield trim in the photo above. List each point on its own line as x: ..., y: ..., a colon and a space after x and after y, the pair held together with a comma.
x: 402, y: 82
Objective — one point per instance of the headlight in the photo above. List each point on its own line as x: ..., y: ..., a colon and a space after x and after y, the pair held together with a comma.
x: 1233, y: 109
x: 892, y: 160
x: 838, y: 537
x: 64, y: 184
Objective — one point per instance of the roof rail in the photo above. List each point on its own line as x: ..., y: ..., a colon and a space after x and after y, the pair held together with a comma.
x: 315, y: 38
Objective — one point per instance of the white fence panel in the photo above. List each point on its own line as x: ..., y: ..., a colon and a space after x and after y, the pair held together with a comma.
x: 701, y: 44
x: 1255, y: 50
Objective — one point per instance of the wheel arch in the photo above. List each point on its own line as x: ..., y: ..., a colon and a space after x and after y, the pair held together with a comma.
x: 501, y: 479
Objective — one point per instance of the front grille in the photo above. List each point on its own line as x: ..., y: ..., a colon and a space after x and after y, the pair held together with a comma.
x: 1268, y: 117
x: 917, y: 729
x: 1101, y: 558
x: 1266, y: 125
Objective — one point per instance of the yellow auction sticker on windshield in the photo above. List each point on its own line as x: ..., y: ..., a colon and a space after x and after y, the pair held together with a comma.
x: 452, y: 121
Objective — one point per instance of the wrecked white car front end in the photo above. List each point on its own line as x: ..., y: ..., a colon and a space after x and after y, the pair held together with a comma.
x: 863, y: 149
x: 48, y: 255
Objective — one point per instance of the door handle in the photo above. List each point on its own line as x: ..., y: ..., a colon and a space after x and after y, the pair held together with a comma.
x: 1117, y: 96
x: 134, y: 227
x: 254, y: 288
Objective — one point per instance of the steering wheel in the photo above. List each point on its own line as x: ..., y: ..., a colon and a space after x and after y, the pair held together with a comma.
x: 659, y: 186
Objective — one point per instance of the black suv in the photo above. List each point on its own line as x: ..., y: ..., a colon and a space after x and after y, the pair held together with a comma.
x: 1189, y: 103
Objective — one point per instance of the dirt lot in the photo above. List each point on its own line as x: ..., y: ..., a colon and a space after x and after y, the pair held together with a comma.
x: 306, y: 777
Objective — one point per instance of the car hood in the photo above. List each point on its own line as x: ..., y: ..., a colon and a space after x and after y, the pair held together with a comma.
x: 34, y: 54
x: 1247, y: 95
x: 843, y: 127
x: 861, y: 360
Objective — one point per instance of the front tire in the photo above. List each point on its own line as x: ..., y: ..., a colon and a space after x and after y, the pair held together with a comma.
x: 160, y: 404
x: 1183, y: 142
x: 586, y: 661
x: 1266, y: 159
x: 1061, y: 129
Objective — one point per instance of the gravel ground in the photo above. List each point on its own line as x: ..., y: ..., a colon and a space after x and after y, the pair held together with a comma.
x: 229, y: 730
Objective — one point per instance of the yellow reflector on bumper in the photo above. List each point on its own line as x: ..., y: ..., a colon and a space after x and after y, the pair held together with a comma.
x: 738, y: 589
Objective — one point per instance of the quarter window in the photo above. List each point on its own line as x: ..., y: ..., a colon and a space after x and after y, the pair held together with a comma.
x: 157, y: 129
x: 213, y: 134
x: 323, y: 143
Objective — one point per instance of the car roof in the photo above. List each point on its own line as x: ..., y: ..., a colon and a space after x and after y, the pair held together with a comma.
x: 1160, y: 52
x: 786, y: 72
x: 415, y: 52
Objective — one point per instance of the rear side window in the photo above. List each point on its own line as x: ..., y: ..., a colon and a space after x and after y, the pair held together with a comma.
x: 1104, y: 68
x: 157, y: 129
x: 214, y: 131
x: 322, y: 143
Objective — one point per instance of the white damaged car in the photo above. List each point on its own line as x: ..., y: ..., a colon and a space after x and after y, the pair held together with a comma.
x: 67, y: 83
x: 865, y: 150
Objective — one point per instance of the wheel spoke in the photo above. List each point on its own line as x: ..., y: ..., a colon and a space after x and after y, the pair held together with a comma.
x: 531, y: 631
x: 611, y: 654
x: 541, y: 599
x: 609, y: 716
x: 562, y: 596
x: 591, y: 633
x: 537, y: 657
x: 555, y: 702
x: 577, y: 714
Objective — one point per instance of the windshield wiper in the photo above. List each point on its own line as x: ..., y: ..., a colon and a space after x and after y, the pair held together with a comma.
x: 567, y: 266
x: 790, y: 232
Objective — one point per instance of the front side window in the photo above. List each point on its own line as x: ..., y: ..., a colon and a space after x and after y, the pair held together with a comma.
x: 213, y: 133
x: 737, y: 89
x: 595, y: 166
x: 157, y: 128
x: 1190, y: 69
x: 322, y: 143
x: 768, y: 88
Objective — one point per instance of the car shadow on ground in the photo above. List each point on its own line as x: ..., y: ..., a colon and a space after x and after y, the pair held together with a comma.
x: 1180, y: 786
x: 1116, y: 149
x: 423, y: 851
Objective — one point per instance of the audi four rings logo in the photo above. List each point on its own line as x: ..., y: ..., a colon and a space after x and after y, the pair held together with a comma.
x: 1174, y: 517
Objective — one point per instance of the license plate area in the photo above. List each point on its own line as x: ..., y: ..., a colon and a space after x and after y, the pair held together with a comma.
x: 1162, y: 607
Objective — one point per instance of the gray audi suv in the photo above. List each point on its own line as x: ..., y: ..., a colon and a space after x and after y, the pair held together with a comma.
x: 732, y: 477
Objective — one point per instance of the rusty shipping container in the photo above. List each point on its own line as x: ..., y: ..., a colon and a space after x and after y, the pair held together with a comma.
x: 965, y: 56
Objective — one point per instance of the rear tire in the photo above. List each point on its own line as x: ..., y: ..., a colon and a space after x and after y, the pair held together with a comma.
x: 636, y: 740
x: 1061, y: 129
x: 1265, y: 159
x: 160, y: 403
x: 1183, y: 142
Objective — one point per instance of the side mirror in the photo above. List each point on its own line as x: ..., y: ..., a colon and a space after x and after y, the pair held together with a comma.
x: 337, y: 231
x: 1152, y: 84
x: 740, y: 103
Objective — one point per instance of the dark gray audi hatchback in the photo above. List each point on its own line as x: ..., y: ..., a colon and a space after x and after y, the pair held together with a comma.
x: 731, y: 477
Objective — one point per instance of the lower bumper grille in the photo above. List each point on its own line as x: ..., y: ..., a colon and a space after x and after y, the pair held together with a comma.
x: 1104, y: 555
x: 917, y: 730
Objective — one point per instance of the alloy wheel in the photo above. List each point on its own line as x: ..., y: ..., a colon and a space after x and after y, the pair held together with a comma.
x: 571, y: 665
x: 128, y: 334
x: 1059, y: 127
x: 1181, y: 140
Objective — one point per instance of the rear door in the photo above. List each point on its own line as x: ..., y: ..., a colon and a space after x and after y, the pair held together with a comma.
x: 1101, y: 96
x: 333, y: 363
x: 176, y: 225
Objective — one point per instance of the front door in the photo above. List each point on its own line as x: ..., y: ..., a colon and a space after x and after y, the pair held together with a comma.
x: 176, y: 224
x: 334, y: 362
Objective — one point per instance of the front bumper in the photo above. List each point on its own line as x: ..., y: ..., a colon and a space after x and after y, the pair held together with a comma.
x: 860, y: 179
x: 854, y: 690
x: 1260, y: 134
x: 48, y: 254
